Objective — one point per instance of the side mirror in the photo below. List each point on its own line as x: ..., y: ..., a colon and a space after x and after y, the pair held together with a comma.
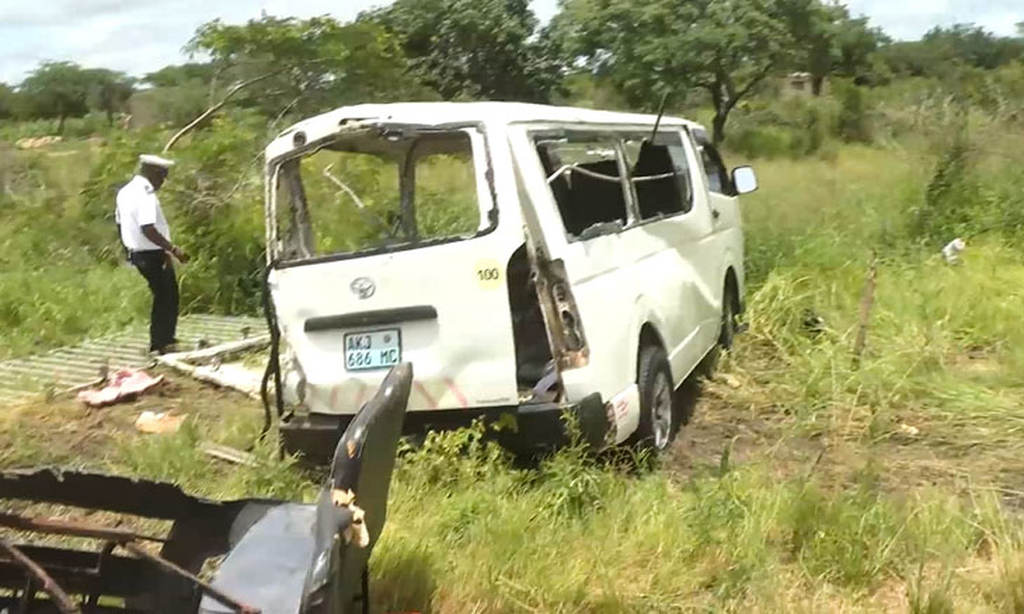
x: 744, y: 179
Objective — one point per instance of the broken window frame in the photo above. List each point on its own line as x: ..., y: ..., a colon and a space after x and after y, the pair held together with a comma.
x: 619, y: 136
x: 483, y: 173
x: 687, y: 203
x: 615, y: 141
x: 703, y: 145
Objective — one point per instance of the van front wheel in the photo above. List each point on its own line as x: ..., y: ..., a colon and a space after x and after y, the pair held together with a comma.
x: 658, y: 422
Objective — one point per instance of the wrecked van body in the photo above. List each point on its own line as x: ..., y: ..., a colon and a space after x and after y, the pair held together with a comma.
x: 185, y: 554
x: 529, y: 260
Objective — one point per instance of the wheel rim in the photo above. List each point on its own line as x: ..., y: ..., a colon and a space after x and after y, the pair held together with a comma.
x: 661, y: 411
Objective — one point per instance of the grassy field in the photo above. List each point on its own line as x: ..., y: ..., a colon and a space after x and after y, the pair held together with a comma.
x: 806, y: 481
x: 59, y: 280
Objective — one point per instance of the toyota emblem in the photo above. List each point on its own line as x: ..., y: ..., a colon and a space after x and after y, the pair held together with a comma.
x: 363, y: 287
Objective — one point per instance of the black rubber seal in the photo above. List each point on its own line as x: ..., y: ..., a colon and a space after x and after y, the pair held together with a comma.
x: 371, y: 318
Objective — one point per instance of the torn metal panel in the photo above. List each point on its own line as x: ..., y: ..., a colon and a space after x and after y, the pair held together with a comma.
x: 565, y: 329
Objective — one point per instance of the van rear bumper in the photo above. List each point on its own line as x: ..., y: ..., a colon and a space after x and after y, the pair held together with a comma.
x: 539, y: 426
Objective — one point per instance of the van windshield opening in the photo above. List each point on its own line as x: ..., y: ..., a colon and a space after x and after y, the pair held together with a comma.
x: 377, y: 190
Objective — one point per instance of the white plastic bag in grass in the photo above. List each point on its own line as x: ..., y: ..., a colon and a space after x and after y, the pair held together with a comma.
x: 951, y: 252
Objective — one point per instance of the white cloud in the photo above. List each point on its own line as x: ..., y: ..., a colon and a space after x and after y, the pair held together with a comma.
x: 139, y: 37
x: 910, y: 19
x: 134, y: 37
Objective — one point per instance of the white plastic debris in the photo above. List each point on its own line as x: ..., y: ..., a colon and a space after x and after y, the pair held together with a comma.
x: 951, y: 252
x: 910, y: 431
x: 162, y: 422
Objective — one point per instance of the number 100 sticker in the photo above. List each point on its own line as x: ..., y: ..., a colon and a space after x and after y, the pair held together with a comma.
x: 487, y: 273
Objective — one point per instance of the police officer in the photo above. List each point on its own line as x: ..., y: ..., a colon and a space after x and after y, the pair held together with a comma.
x: 147, y: 239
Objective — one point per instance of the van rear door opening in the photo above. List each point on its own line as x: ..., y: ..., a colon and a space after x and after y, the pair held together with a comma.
x: 388, y: 249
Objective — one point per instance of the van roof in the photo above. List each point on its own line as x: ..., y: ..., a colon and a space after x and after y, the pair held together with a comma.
x: 439, y: 113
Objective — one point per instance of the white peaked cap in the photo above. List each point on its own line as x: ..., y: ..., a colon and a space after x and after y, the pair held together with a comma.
x: 152, y: 160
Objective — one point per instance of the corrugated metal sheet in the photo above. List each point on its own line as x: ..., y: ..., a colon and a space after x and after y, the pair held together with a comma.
x: 76, y: 365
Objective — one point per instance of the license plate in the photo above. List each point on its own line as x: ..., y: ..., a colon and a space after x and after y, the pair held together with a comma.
x: 377, y: 349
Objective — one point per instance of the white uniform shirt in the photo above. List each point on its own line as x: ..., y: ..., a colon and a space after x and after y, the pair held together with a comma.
x: 137, y: 205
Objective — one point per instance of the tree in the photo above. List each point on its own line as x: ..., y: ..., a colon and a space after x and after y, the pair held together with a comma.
x: 178, y: 94
x: 857, y: 42
x: 814, y: 28
x: 306, y: 65
x: 181, y: 74
x: 940, y: 48
x: 968, y: 43
x: 827, y: 40
x: 655, y: 47
x: 57, y: 89
x: 470, y: 49
x: 8, y: 102
x: 108, y: 91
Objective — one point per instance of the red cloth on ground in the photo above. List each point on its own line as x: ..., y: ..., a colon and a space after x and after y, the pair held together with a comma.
x: 121, y: 385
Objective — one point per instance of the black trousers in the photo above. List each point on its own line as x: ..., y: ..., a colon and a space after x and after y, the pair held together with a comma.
x: 156, y: 267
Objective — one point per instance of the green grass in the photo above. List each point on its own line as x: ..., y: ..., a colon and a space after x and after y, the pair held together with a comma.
x: 805, y: 482
x: 59, y: 281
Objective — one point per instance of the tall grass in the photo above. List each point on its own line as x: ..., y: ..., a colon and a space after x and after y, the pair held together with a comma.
x: 572, y: 536
x: 888, y: 483
x: 59, y: 278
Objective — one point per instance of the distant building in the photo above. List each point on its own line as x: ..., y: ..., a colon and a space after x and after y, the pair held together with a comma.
x: 801, y: 84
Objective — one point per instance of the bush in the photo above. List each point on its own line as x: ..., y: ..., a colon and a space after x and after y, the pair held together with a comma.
x: 852, y: 124
x: 795, y: 127
x: 213, y: 199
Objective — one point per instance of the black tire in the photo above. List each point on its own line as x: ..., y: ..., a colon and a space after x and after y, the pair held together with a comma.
x: 659, y: 419
x: 726, y: 333
x: 727, y: 328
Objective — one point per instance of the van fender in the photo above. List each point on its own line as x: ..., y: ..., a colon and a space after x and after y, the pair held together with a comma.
x: 624, y: 413
x: 643, y: 314
x: 732, y: 260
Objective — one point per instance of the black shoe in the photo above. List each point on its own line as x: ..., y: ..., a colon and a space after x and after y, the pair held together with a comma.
x: 170, y: 348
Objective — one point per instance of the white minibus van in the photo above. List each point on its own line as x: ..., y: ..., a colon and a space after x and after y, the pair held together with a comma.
x: 528, y: 260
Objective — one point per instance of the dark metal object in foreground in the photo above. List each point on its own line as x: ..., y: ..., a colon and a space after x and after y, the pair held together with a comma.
x: 279, y: 557
x: 64, y: 603
x: 209, y: 590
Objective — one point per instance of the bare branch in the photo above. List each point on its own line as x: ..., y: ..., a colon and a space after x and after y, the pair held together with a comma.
x: 751, y: 84
x: 231, y: 92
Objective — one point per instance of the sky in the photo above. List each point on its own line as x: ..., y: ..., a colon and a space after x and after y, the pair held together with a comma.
x: 145, y: 35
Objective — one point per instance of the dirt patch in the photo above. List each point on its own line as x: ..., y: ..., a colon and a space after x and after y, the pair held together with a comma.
x: 900, y: 457
x: 64, y: 431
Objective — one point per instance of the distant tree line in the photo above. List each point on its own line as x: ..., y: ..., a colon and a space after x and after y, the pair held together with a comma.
x: 715, y: 51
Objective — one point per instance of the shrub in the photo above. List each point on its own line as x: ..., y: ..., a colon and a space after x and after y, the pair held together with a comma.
x: 852, y: 124
x: 796, y: 127
x: 213, y: 199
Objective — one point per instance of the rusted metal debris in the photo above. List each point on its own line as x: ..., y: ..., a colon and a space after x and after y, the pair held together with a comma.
x: 58, y: 526
x: 60, y: 598
x: 278, y: 557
